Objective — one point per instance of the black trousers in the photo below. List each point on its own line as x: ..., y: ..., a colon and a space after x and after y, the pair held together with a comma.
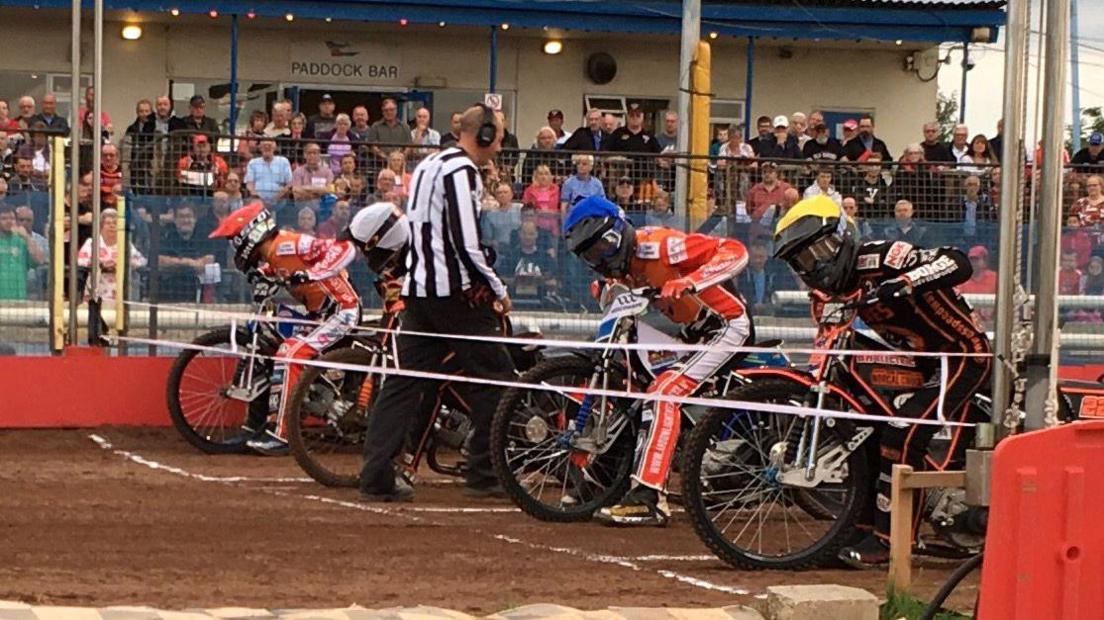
x: 908, y: 444
x: 404, y: 401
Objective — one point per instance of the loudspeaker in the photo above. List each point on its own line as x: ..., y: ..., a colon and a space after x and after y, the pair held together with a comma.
x: 601, y: 68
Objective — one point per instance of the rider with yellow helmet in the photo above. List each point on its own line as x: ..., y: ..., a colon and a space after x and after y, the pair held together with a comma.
x: 908, y: 298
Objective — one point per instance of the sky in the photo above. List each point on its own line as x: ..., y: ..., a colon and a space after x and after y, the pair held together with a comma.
x: 985, y: 82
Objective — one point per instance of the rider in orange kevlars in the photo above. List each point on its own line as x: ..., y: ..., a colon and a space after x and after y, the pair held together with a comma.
x: 311, y: 269
x: 694, y: 274
x: 909, y: 300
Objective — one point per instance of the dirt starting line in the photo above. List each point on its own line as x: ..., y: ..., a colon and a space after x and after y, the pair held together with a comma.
x: 425, y: 514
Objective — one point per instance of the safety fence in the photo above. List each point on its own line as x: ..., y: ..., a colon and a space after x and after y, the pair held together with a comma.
x: 168, y: 192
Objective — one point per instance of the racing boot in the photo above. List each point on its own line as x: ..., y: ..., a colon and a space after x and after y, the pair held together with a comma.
x: 641, y: 506
x: 269, y: 444
x: 870, y: 552
x: 244, y: 435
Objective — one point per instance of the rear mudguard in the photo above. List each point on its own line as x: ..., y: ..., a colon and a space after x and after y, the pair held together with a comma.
x: 1083, y: 399
x: 804, y: 379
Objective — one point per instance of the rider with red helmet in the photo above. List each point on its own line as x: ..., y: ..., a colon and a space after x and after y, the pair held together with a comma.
x: 695, y: 274
x: 310, y: 268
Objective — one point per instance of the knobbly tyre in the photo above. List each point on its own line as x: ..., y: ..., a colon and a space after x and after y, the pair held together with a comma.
x: 329, y: 409
x: 213, y: 392
x: 562, y: 455
x: 781, y: 491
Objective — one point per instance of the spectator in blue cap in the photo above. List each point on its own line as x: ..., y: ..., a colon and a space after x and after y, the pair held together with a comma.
x: 1091, y: 158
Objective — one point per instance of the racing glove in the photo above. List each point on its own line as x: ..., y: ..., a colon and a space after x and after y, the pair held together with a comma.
x: 298, y: 278
x: 894, y: 289
x: 264, y: 288
x: 674, y: 289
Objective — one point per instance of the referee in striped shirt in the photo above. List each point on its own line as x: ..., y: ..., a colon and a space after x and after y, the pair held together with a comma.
x: 451, y: 288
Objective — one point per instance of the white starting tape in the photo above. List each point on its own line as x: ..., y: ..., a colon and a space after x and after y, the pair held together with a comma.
x: 570, y: 344
x: 681, y: 400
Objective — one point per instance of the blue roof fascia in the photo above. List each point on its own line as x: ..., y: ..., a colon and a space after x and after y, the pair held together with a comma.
x: 735, y: 20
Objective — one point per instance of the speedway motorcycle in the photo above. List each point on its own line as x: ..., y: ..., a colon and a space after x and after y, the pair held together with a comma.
x: 782, y: 491
x: 562, y: 454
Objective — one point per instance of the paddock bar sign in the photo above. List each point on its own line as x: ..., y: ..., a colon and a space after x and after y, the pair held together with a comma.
x: 343, y: 60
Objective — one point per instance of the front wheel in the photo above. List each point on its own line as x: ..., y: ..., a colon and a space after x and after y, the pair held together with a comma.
x: 211, y: 391
x: 545, y: 474
x: 328, y: 413
x: 747, y: 502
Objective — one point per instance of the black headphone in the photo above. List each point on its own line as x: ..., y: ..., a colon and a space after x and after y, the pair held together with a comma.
x: 488, y: 128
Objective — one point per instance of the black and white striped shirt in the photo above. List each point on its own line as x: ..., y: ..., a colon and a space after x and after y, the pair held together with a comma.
x: 445, y: 254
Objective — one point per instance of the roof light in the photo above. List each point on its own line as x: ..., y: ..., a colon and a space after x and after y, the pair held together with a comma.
x: 131, y: 32
x: 505, y: 26
x: 289, y: 17
x: 403, y: 21
x: 898, y: 42
x: 251, y: 15
x: 441, y: 24
x: 174, y: 12
x: 713, y: 35
x: 213, y: 13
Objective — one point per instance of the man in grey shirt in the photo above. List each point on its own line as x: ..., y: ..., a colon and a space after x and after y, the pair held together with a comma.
x: 388, y: 131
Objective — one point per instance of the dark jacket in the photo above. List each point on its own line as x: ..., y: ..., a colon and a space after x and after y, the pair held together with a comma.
x: 854, y: 149
x: 583, y: 140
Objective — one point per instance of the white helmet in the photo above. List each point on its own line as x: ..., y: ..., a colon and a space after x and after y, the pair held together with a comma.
x: 382, y: 233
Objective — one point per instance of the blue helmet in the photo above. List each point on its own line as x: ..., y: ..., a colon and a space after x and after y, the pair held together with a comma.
x: 597, y: 232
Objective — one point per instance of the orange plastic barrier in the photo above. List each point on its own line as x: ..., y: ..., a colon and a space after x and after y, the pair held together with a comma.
x: 1044, y: 553
x: 83, y: 388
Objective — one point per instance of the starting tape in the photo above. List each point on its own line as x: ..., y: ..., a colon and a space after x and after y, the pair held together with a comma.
x: 569, y: 344
x: 563, y: 390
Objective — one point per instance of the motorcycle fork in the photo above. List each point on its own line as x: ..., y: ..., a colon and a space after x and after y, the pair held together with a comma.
x: 811, y: 439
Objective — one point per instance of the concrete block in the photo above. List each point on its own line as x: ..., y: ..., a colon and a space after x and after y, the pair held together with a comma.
x: 820, y: 602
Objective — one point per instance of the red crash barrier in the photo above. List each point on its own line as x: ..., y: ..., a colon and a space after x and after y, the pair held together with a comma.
x: 1044, y: 552
x: 83, y: 388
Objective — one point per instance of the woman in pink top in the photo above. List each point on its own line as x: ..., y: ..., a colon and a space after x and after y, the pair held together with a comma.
x: 545, y: 195
x: 109, y: 256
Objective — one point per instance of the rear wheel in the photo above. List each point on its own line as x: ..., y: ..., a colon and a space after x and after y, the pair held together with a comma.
x: 751, y: 512
x: 328, y: 414
x: 547, y: 477
x: 207, y: 392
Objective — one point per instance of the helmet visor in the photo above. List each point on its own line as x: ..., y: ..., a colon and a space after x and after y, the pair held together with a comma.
x: 598, y: 254
x: 806, y: 259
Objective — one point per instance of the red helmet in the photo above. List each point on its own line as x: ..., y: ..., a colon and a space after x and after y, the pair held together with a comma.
x: 247, y: 228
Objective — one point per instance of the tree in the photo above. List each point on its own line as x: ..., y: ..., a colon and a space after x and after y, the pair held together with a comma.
x: 1092, y: 121
x: 946, y: 114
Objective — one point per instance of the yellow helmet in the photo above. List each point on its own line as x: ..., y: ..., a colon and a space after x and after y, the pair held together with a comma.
x: 817, y: 239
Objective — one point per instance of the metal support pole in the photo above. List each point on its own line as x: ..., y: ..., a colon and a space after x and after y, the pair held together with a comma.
x: 1012, y: 154
x: 691, y: 34
x: 97, y: 150
x: 492, y: 78
x: 1042, y: 362
x: 749, y: 76
x: 233, y: 80
x: 1075, y: 68
x: 965, y: 70
x: 75, y: 124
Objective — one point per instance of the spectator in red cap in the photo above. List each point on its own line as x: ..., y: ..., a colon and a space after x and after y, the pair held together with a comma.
x: 850, y: 130
x: 984, y: 280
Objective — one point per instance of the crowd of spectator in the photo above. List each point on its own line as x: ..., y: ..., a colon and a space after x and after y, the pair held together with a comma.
x: 315, y: 171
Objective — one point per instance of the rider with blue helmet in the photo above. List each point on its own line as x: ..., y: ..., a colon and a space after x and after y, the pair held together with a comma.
x: 695, y: 274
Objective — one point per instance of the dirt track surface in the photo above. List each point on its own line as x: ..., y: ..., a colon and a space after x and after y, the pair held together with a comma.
x: 151, y: 521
